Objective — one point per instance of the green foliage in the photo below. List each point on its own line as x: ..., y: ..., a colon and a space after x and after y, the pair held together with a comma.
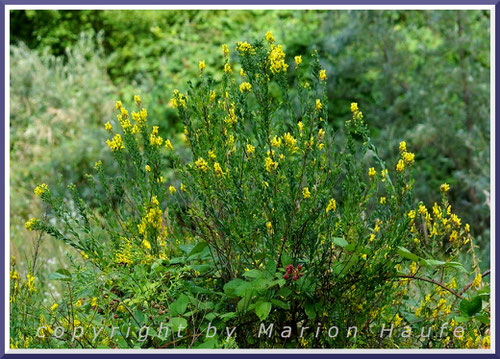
x: 261, y: 217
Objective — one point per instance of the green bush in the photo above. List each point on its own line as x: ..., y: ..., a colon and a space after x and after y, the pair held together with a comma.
x: 265, y: 220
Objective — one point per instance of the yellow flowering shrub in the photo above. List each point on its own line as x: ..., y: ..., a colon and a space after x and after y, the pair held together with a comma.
x: 265, y: 220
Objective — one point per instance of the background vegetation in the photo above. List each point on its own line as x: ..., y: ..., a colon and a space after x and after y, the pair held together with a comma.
x: 421, y: 76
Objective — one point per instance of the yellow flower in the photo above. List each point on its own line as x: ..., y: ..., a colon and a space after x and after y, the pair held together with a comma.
x: 116, y: 144
x: 227, y: 69
x: 277, y: 59
x: 319, y: 106
x: 118, y: 105
x: 168, y: 145
x: 477, y: 281
x: 402, y: 146
x: 146, y: 244
x: 245, y: 86
x: 384, y: 173
x: 372, y: 172
x: 269, y: 227
x: 41, y: 189
x: 54, y: 306
x: 148, y: 169
x: 306, y: 193
x: 397, y: 320
x: 269, y: 36
x: 400, y: 166
x: 84, y: 255
x: 322, y: 75
x: 218, y: 169
x: 212, y: 155
x: 202, y: 65
x: 354, y: 107
x: 408, y: 157
x: 30, y: 225
x: 250, y: 149
x: 182, y: 187
x: 225, y: 50
x: 445, y: 187
x: 383, y: 200
x: 212, y: 96
x: 108, y: 126
x: 301, y: 126
x: 332, y: 206
x: 137, y: 100
x: 201, y: 164
x: 298, y: 61
x: 244, y: 47
x: 270, y: 165
x: 276, y: 142
x: 93, y: 302
x: 172, y: 189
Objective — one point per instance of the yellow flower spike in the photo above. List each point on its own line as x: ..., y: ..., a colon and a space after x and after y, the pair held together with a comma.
x: 277, y: 59
x: 168, y: 145
x: 54, y: 307
x: 354, y: 107
x: 322, y: 75
x: 41, y: 189
x: 137, y: 100
x: 402, y: 146
x: 201, y: 65
x: 146, y: 244
x: 227, y: 69
x: 400, y: 166
x: 476, y: 283
x: 116, y: 144
x: 250, y: 149
x: 172, y: 190
x: 218, y: 170
x: 445, y: 187
x: 371, y: 172
x: 108, y: 126
x: 319, y: 105
x: 332, y: 206
x: 201, y: 164
x: 225, y: 50
x: 269, y: 37
x: 298, y: 61
x: 182, y: 187
x: 148, y: 168
x: 306, y: 193
x: 245, y: 87
x: 383, y: 200
x: 118, y: 105
x: 212, y: 96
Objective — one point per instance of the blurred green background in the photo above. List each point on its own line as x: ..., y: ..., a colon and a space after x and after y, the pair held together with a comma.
x: 419, y: 76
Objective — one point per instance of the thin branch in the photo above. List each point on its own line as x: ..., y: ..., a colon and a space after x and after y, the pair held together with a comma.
x: 433, y: 282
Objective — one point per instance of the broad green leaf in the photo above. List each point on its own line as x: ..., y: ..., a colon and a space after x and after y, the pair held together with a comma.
x: 471, y: 307
x: 340, y: 241
x: 177, y: 322
x: 180, y: 305
x: 262, y: 309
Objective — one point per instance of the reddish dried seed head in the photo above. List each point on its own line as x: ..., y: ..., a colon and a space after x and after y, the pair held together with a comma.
x: 289, y: 268
x: 116, y: 316
x: 285, y: 276
x: 295, y: 277
x: 299, y: 267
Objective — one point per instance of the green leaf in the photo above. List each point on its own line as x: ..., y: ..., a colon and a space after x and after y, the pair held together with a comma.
x: 262, y: 309
x: 60, y: 274
x: 198, y: 248
x: 405, y: 253
x: 340, y: 241
x: 180, y: 305
x: 310, y: 312
x: 177, y: 322
x: 471, y: 307
x: 236, y: 287
x: 253, y: 273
